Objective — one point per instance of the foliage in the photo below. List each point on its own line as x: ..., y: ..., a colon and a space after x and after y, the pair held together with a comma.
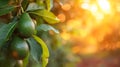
x: 13, y: 22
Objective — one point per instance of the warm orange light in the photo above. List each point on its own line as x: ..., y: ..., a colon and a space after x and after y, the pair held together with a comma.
x: 76, y: 49
x: 66, y: 7
x: 90, y: 49
x: 62, y: 17
x: 65, y: 35
x: 98, y: 8
x: 98, y: 20
x: 118, y: 7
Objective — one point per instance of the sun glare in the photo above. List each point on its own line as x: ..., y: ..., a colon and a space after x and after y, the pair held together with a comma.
x: 93, y: 8
x: 104, y: 5
x: 97, y: 19
x: 98, y: 8
x: 85, y: 6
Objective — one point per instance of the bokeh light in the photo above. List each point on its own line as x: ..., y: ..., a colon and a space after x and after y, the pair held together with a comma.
x: 91, y: 29
x: 95, y: 20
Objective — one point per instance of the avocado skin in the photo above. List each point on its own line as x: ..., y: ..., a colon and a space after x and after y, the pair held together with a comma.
x: 20, y: 47
x: 26, y: 26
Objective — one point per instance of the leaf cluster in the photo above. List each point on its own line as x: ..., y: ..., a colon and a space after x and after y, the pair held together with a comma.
x: 40, y: 12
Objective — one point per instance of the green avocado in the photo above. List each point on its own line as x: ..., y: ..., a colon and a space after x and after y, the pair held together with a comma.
x: 26, y: 26
x: 19, y: 48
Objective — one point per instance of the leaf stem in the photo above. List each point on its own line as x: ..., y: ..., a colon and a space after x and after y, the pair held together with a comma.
x: 22, y: 9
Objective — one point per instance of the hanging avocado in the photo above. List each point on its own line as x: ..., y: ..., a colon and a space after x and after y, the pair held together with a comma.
x: 19, y: 48
x: 26, y: 26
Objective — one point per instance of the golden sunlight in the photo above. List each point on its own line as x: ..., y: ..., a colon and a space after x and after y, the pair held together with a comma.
x: 104, y: 6
x: 85, y: 6
x: 98, y: 8
x: 93, y: 8
x: 97, y: 19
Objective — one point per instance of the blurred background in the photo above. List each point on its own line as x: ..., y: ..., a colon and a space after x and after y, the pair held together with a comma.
x: 89, y: 34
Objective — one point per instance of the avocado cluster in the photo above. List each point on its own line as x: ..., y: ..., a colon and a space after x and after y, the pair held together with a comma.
x: 19, y: 48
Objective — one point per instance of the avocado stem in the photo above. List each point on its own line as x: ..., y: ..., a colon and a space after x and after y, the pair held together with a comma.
x: 22, y: 9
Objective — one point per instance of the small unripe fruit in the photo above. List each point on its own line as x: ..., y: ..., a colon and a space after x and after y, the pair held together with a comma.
x: 19, y: 48
x: 26, y: 26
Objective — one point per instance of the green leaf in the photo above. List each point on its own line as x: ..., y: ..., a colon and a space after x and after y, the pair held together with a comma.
x: 32, y: 63
x: 47, y: 16
x: 46, y: 27
x: 6, y: 10
x: 35, y: 49
x: 2, y: 24
x: 45, y: 54
x: 3, y: 3
x: 49, y: 4
x: 39, y: 20
x: 6, y: 31
x: 33, y: 6
x: 25, y: 61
